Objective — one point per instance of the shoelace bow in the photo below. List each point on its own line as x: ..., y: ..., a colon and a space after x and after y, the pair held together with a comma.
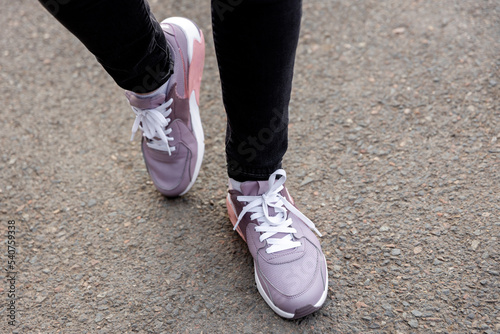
x: 279, y: 223
x: 153, y: 123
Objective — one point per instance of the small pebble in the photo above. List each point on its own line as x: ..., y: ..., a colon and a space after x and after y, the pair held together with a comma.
x: 399, y: 30
x: 417, y: 313
x: 387, y: 307
x: 396, y: 251
x: 413, y: 323
x: 437, y: 262
x: 306, y: 181
x: 99, y: 317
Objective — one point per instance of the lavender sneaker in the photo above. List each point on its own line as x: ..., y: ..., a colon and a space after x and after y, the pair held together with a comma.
x: 290, y: 268
x: 173, y: 141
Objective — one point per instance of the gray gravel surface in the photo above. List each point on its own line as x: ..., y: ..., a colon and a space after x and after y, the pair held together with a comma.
x: 394, y: 153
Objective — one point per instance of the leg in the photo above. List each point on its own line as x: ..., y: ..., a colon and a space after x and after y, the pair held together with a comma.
x: 255, y: 43
x: 123, y: 35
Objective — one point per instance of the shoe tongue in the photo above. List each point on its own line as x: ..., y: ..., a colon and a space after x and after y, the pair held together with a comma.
x: 145, y: 103
x: 254, y: 188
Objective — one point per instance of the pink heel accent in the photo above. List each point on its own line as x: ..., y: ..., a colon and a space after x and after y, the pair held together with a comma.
x: 233, y: 218
x: 196, y: 67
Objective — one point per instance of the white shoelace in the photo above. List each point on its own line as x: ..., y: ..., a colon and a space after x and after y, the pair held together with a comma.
x: 153, y: 123
x: 279, y: 223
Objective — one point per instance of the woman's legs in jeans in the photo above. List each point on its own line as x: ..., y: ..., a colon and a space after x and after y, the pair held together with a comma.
x: 255, y: 42
x: 123, y: 35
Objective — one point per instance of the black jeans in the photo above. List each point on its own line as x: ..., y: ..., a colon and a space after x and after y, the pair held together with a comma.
x: 255, y: 43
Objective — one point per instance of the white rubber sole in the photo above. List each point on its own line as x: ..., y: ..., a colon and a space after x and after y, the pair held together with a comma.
x: 200, y: 138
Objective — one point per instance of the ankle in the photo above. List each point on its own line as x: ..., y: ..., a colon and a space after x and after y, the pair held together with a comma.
x: 161, y: 90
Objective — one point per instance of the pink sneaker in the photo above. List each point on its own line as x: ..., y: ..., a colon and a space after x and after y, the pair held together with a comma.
x: 173, y: 141
x: 290, y: 268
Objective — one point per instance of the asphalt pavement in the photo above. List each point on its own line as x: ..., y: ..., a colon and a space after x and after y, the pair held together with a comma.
x: 394, y: 154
